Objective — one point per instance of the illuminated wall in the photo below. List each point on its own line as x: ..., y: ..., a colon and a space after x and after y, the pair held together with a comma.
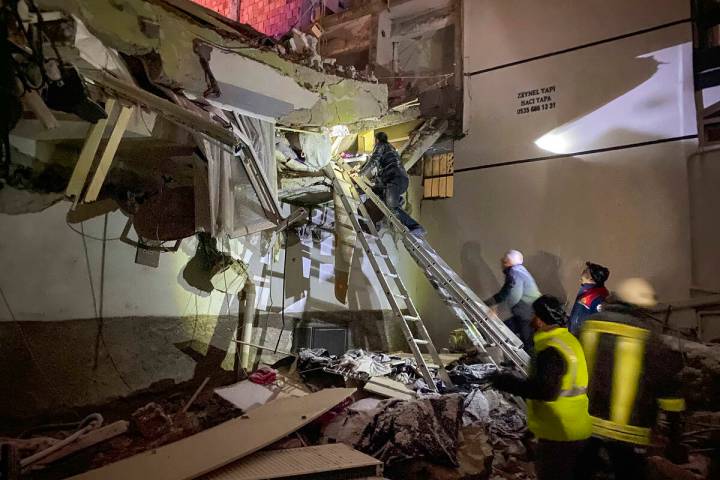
x: 227, y: 8
x: 580, y: 120
x: 274, y: 17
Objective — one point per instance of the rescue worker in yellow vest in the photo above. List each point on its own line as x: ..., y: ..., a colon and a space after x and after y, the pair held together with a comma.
x: 555, y: 393
x: 633, y: 375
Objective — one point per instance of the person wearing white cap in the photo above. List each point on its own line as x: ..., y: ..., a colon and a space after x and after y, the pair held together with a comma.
x: 518, y: 294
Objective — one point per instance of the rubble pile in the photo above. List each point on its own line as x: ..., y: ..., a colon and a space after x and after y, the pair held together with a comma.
x: 466, y: 430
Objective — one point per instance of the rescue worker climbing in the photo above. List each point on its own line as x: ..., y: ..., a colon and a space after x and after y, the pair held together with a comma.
x: 391, y: 180
x: 633, y: 375
x: 555, y: 389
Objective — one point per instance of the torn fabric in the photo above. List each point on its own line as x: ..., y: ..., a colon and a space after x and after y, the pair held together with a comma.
x: 317, y: 149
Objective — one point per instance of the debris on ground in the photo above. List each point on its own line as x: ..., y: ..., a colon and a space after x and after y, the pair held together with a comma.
x: 151, y: 421
x: 464, y: 431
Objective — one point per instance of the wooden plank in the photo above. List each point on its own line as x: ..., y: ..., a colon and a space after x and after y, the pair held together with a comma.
x: 88, y: 440
x: 169, y: 110
x: 294, y: 462
x: 87, y: 154
x: 216, y: 447
x: 442, y: 189
x: 389, y: 388
x: 436, y: 181
x: 108, y: 154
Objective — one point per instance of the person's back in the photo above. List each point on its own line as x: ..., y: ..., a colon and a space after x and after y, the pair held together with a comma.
x: 518, y: 293
x: 529, y: 291
x: 391, y: 180
x: 555, y: 390
x: 632, y: 370
x: 633, y: 374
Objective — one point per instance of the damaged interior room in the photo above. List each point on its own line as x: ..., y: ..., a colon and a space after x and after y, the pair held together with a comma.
x: 360, y: 239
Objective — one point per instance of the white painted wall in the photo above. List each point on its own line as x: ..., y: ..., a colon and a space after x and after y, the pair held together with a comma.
x: 45, y: 274
x: 511, y: 30
x: 626, y: 208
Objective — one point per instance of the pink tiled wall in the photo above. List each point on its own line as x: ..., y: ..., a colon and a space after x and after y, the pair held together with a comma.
x: 227, y: 8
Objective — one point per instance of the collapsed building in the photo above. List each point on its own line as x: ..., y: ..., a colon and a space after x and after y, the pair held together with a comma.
x: 178, y: 212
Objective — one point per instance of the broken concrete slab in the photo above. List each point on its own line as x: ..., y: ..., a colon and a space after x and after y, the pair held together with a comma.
x: 119, y: 25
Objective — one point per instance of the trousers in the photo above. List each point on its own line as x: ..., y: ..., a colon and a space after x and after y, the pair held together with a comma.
x: 625, y: 462
x: 391, y: 189
x: 559, y: 460
x: 519, y: 323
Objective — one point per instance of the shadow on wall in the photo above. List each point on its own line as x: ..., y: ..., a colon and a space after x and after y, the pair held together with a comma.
x: 476, y: 272
x: 545, y: 267
x: 209, y: 357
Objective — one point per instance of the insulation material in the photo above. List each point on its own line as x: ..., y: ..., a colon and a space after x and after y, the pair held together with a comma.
x: 317, y: 149
x: 235, y: 208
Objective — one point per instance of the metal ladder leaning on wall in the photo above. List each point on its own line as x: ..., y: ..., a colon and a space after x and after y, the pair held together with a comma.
x: 481, y: 324
x: 397, y: 295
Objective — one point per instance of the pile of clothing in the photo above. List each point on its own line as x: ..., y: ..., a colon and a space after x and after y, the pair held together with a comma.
x: 357, y: 364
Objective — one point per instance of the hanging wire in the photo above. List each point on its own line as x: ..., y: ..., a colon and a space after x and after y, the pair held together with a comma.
x: 89, y: 270
x: 82, y: 233
x: 100, y: 336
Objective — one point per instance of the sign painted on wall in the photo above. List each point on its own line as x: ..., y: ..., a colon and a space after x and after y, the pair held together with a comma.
x: 536, y: 100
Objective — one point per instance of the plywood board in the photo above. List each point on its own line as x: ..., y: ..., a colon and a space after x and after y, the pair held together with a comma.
x: 216, y: 447
x: 87, y: 154
x: 389, y: 388
x: 108, y: 154
x: 293, y: 462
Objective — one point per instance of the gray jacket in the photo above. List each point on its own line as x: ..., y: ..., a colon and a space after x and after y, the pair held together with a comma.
x: 519, y: 289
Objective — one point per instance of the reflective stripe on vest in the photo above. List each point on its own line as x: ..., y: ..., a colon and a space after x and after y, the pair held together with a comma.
x: 575, y: 390
x: 566, y: 418
x: 627, y: 360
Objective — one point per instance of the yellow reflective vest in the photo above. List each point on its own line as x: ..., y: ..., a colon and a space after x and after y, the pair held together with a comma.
x: 565, y: 418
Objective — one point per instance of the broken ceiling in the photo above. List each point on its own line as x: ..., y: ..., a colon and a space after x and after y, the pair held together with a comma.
x: 184, y: 46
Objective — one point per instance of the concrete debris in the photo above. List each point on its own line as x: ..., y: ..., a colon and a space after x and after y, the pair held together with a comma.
x: 424, y: 428
x: 701, y: 375
x: 660, y: 468
x: 151, y: 421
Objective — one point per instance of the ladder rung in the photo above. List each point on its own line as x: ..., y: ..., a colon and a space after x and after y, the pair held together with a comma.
x: 420, y: 342
x: 410, y: 318
x: 399, y: 295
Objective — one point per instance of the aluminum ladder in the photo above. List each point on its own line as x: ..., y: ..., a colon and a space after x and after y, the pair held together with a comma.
x: 397, y: 295
x: 481, y: 324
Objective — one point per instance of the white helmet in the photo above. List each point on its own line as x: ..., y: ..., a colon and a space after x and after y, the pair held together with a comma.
x: 636, y: 291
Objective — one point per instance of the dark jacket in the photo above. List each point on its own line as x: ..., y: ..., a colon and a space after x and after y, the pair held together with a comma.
x: 589, y: 298
x: 518, y: 292
x: 544, y: 379
x: 387, y: 162
x: 624, y: 354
